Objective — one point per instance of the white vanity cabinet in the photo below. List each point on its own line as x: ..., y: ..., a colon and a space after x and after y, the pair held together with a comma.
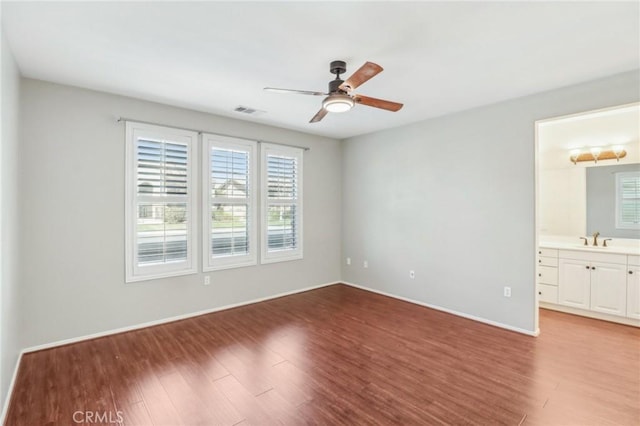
x: 593, y: 281
x: 633, y: 287
x: 597, y: 282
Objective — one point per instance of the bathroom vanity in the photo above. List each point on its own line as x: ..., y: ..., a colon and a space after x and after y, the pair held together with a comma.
x: 599, y: 282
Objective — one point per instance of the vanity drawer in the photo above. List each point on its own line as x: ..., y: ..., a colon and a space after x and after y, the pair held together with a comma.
x: 634, y: 260
x: 547, y: 252
x: 548, y: 275
x: 593, y: 256
x: 548, y: 261
x: 547, y: 293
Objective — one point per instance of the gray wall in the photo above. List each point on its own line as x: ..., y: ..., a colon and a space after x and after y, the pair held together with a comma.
x: 72, y: 200
x: 453, y: 198
x: 601, y: 201
x: 10, y: 345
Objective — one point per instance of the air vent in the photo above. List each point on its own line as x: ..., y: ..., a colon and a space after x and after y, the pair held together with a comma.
x: 248, y: 110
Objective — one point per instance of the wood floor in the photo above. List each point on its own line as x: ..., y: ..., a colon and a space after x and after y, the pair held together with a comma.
x: 337, y: 355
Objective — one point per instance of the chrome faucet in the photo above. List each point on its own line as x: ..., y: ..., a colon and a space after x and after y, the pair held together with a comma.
x: 595, y: 238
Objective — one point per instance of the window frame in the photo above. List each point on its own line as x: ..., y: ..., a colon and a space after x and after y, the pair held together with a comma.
x: 619, y: 223
x: 134, y: 271
x: 266, y: 150
x: 209, y: 263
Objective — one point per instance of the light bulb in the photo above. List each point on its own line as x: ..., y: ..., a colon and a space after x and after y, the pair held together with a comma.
x: 619, y: 151
x: 574, y: 154
x: 338, y: 103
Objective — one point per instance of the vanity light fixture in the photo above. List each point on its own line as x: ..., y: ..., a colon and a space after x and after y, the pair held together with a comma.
x: 594, y: 154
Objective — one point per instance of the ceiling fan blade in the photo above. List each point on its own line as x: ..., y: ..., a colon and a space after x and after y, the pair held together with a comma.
x: 363, y: 74
x: 319, y: 115
x: 377, y: 103
x: 299, y: 92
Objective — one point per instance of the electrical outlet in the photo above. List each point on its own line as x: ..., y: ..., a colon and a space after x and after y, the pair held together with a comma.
x: 207, y: 280
x: 365, y: 264
x: 348, y: 261
x: 507, y: 292
x: 412, y: 274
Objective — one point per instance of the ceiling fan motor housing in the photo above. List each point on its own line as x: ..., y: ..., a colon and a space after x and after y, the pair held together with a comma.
x: 338, y: 67
x: 334, y: 86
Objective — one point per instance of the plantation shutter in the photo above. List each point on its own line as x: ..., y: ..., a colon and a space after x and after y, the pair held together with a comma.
x: 282, y: 193
x: 162, y: 202
x: 629, y: 200
x: 230, y: 193
x: 229, y: 201
x: 160, y: 205
x: 282, y: 203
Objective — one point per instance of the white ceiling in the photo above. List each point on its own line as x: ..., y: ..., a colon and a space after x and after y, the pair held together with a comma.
x: 213, y: 56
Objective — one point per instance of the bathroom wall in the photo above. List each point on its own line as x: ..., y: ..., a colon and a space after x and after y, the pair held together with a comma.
x: 562, y: 195
x: 562, y: 201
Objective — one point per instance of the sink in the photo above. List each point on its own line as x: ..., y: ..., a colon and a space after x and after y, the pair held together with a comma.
x: 582, y: 246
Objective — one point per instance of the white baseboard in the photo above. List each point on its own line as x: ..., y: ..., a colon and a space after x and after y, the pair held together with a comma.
x: 170, y: 319
x: 591, y: 314
x: 262, y: 299
x: 449, y: 311
x: 7, y: 399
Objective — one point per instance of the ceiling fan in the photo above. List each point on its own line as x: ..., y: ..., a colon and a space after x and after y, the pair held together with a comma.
x: 341, y: 97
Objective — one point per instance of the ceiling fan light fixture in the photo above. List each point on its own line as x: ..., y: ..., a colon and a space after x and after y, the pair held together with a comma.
x: 338, y: 103
x: 340, y: 96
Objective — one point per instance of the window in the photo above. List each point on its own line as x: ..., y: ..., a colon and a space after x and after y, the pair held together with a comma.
x: 281, y: 203
x: 229, y: 203
x: 160, y: 206
x: 628, y: 200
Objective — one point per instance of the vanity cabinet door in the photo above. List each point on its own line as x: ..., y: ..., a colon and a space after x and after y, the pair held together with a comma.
x: 609, y: 288
x: 574, y: 283
x: 633, y: 292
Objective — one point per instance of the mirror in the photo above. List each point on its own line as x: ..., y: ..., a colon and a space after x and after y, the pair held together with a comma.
x: 606, y: 212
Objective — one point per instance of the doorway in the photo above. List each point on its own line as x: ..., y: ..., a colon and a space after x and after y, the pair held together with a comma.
x: 580, y: 161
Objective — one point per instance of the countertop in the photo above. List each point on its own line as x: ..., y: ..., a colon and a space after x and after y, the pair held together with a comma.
x: 631, y: 248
